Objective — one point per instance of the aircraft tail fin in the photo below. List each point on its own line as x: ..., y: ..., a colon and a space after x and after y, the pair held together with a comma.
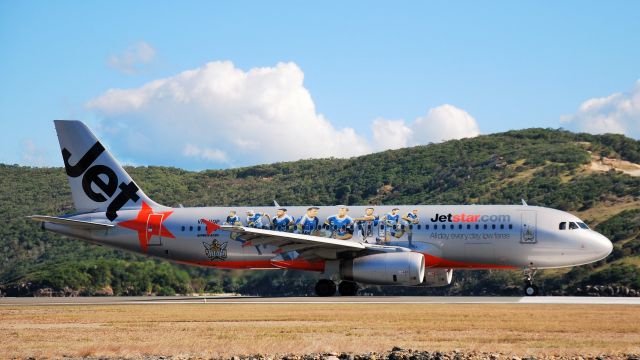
x: 98, y: 182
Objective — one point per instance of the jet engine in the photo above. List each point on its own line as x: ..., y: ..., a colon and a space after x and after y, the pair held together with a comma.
x: 401, y: 268
x: 437, y: 277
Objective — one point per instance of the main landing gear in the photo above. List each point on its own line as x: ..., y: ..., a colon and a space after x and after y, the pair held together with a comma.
x: 326, y: 287
x: 530, y: 289
x: 348, y: 288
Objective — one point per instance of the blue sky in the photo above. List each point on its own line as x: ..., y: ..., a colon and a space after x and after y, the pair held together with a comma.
x: 370, y: 75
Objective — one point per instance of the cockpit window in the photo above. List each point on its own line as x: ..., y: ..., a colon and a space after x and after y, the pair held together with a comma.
x: 583, y: 225
x: 572, y: 226
x: 563, y: 225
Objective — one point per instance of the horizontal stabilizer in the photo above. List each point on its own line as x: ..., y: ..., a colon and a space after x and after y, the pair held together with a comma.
x: 78, y: 224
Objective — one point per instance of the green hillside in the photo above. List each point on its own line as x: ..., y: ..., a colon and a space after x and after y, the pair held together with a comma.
x: 546, y: 167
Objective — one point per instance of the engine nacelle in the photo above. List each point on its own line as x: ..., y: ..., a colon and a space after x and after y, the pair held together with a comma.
x: 437, y: 277
x: 399, y: 268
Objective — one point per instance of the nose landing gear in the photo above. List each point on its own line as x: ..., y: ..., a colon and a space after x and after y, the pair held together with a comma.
x: 530, y: 289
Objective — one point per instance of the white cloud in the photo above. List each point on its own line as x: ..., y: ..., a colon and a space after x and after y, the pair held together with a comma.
x: 219, y: 115
x: 391, y: 134
x: 222, y: 114
x: 133, y: 58
x: 616, y: 113
x: 214, y: 155
x: 444, y: 122
x: 441, y: 123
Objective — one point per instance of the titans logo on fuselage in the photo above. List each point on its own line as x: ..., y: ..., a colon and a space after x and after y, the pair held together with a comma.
x: 91, y: 174
x: 216, y: 250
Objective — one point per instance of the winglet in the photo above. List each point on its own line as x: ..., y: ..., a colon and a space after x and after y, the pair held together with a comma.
x: 275, y: 203
x: 524, y: 203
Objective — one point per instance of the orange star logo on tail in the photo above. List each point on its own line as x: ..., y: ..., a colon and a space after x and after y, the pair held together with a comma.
x: 148, y: 223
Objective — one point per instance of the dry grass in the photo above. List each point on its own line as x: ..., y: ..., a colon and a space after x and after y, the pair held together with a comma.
x: 606, y: 209
x: 225, y: 329
x: 522, y: 175
x: 629, y: 260
x: 605, y: 164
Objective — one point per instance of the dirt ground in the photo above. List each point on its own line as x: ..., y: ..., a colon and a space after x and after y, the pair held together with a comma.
x: 203, y: 330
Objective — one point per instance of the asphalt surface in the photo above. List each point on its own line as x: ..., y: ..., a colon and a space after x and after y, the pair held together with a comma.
x: 149, y: 300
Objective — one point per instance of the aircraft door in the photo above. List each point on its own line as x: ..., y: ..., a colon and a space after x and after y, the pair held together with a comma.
x: 528, y: 231
x: 154, y: 229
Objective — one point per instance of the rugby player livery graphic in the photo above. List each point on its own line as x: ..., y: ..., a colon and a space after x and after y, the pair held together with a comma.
x: 413, y: 245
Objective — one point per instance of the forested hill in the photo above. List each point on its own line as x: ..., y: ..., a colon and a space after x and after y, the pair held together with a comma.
x: 593, y: 176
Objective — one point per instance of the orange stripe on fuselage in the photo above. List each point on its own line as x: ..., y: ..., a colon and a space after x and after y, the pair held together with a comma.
x: 438, y: 262
x: 247, y: 264
x: 296, y: 264
x: 301, y: 264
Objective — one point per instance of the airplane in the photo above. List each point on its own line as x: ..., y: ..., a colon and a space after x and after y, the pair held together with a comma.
x: 403, y: 245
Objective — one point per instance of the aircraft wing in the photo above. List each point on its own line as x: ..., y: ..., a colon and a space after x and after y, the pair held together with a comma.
x: 79, y: 224
x: 308, y: 246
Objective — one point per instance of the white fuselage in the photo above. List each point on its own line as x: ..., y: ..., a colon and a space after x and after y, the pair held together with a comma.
x: 450, y: 236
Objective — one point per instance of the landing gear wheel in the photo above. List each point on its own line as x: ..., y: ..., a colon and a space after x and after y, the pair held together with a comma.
x: 348, y: 288
x: 325, y: 287
x: 530, y: 290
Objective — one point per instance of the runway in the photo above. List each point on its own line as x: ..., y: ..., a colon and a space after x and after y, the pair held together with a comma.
x: 150, y: 300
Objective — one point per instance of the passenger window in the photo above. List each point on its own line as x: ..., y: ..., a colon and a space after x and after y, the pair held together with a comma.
x: 190, y: 228
x: 468, y: 226
x: 477, y: 226
x: 183, y: 228
x: 460, y: 226
x: 426, y: 227
x: 563, y: 225
x: 583, y: 225
x: 419, y: 226
x: 510, y: 226
x: 501, y: 226
x: 451, y: 226
x: 493, y: 226
x: 198, y: 228
x: 485, y: 226
x: 435, y: 227
x: 572, y: 226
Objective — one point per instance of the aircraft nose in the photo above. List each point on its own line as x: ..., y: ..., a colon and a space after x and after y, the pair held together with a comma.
x: 600, y: 245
